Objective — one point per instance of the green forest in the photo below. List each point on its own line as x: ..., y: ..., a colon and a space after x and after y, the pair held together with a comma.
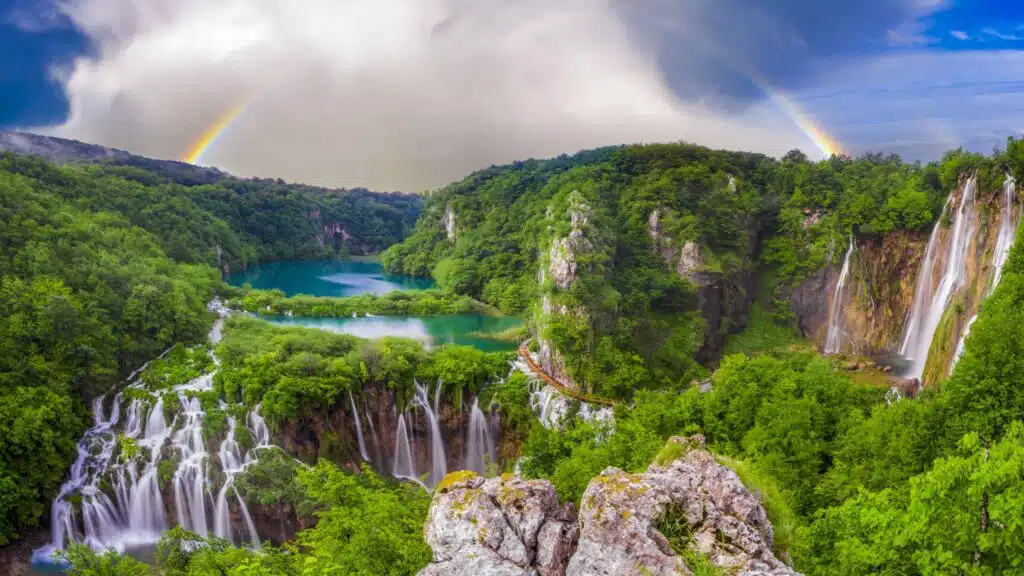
x: 103, y: 268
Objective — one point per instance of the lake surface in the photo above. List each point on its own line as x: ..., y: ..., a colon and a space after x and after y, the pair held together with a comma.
x: 334, y: 278
x: 431, y: 330
x: 326, y: 278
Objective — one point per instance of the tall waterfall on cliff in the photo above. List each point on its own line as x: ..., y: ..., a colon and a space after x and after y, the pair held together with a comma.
x: 834, y: 336
x: 359, y: 428
x: 108, y: 503
x: 929, y: 304
x: 1008, y: 223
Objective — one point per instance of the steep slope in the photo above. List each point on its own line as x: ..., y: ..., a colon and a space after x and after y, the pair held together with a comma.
x: 205, y: 215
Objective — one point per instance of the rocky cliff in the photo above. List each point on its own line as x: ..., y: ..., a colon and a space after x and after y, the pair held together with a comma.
x: 875, y: 303
x: 876, y: 298
x: 685, y: 510
x: 723, y: 298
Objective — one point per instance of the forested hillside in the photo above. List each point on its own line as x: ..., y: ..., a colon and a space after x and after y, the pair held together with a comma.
x: 636, y: 261
x: 227, y: 222
x: 104, y: 267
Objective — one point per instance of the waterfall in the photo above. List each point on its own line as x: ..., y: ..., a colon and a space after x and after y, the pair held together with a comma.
x: 133, y: 513
x: 359, y: 428
x: 929, y: 306
x: 373, y: 434
x: 1007, y: 230
x: 1004, y: 241
x: 231, y: 464
x: 833, y: 339
x: 190, y: 485
x: 438, y: 467
x: 402, y: 465
x: 479, y: 443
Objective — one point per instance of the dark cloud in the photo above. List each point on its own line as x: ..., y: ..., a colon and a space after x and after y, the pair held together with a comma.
x: 718, y: 51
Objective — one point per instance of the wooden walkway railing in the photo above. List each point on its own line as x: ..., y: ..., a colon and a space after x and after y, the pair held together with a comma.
x: 525, y: 353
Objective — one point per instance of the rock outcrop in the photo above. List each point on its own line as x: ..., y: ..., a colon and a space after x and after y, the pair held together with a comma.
x: 511, y: 526
x: 499, y: 526
x: 620, y: 513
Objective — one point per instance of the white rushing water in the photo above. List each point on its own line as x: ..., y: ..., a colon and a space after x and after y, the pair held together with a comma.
x: 438, y: 463
x: 929, y: 305
x: 359, y: 428
x: 121, y: 503
x: 479, y: 442
x: 834, y: 335
x: 1008, y: 223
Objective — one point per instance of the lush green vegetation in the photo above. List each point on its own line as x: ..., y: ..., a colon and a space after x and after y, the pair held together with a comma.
x: 302, y: 372
x: 103, y: 267
x: 85, y: 297
x: 398, y: 303
x: 226, y: 221
x: 853, y: 484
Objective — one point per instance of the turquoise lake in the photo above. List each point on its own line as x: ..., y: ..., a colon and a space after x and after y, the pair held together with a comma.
x: 328, y: 278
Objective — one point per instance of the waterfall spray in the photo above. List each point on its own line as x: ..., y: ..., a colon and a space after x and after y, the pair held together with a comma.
x: 359, y: 428
x: 479, y: 443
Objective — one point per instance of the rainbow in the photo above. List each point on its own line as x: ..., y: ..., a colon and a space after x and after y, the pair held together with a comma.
x: 212, y: 134
x: 805, y: 123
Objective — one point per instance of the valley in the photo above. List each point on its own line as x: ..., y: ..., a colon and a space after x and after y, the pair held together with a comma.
x: 205, y: 376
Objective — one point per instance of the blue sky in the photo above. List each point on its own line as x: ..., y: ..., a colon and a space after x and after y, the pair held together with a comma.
x: 410, y: 93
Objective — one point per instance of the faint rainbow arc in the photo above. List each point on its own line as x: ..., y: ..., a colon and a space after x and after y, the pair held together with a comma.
x: 821, y: 139
x: 211, y: 135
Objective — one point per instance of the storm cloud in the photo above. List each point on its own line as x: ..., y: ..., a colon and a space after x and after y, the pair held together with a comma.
x: 412, y: 94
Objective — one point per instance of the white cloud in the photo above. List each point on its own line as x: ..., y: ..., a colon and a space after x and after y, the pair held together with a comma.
x: 395, y: 94
x: 1001, y: 35
x: 959, y: 34
x: 907, y: 38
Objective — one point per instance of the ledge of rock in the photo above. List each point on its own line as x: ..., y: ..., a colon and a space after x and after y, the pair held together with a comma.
x: 510, y: 526
x: 499, y: 526
x: 620, y: 513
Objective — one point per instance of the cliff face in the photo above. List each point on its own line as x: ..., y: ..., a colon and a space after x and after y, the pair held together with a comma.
x: 876, y: 298
x: 722, y: 298
x: 875, y: 305
x: 627, y: 524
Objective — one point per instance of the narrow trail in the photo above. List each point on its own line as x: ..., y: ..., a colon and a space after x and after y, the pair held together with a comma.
x: 568, y: 391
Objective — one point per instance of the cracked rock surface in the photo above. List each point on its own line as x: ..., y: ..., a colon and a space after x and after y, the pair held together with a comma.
x: 500, y: 526
x: 512, y: 526
x: 619, y: 515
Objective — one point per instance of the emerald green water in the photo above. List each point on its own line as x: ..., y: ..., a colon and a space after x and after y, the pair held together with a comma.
x: 326, y: 278
x: 331, y: 278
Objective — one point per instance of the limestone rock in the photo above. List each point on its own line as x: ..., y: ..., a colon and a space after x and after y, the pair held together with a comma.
x: 620, y: 512
x: 689, y: 260
x: 499, y: 526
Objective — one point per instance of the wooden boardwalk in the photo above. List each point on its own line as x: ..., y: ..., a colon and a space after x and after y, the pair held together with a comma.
x: 568, y: 391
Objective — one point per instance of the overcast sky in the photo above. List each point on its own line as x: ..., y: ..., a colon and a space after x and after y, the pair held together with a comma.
x: 412, y: 94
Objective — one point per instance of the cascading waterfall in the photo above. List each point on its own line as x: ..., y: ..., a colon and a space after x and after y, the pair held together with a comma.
x: 231, y: 463
x: 1008, y: 224
x: 834, y: 336
x: 402, y: 465
x: 929, y: 306
x: 479, y: 443
x: 134, y: 513
x: 373, y: 434
x: 438, y: 466
x: 359, y: 428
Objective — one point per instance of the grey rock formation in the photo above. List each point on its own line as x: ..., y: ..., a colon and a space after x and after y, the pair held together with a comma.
x: 689, y: 261
x: 620, y: 512
x: 511, y: 526
x: 498, y: 526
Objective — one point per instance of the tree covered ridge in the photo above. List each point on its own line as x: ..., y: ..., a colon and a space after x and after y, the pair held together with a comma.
x: 229, y: 222
x: 733, y: 212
